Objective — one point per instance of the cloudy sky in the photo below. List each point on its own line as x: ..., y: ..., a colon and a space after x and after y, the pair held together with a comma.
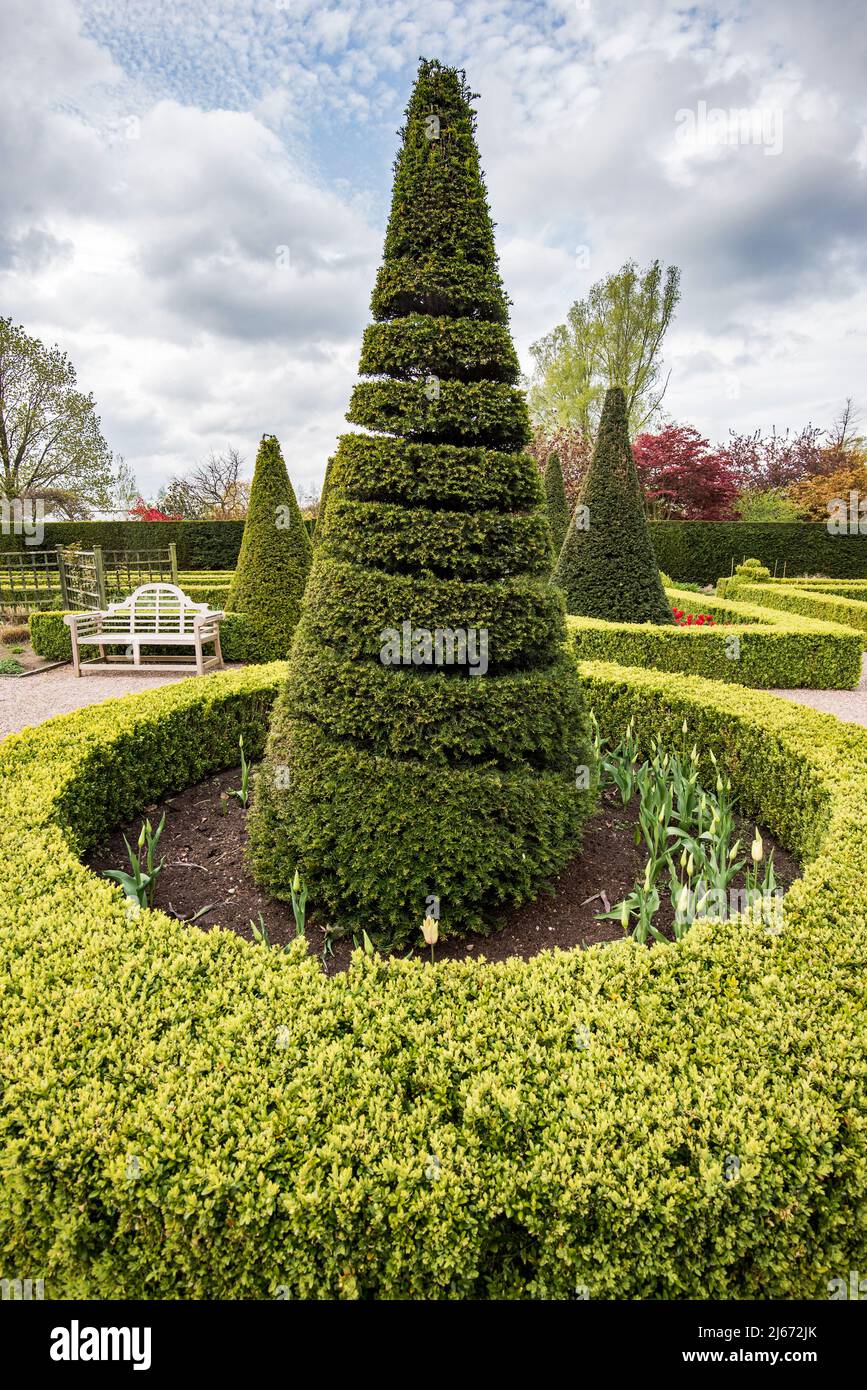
x: 194, y: 196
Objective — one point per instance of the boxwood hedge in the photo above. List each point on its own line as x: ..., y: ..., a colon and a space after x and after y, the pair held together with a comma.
x: 846, y: 588
x: 50, y: 638
x: 833, y: 607
x: 764, y: 649
x: 183, y: 1114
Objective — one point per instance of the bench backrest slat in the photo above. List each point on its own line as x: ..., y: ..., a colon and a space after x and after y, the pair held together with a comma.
x: 153, y: 608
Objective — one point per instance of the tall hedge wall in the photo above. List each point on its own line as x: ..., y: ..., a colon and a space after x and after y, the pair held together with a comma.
x: 699, y: 552
x: 202, y: 545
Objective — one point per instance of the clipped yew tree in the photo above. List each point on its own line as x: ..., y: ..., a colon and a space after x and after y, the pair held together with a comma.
x: 274, y: 560
x: 323, y: 502
x: 556, y: 502
x: 429, y: 754
x: 607, y: 567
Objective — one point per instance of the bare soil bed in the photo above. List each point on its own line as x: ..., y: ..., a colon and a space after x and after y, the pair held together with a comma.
x: 203, y: 846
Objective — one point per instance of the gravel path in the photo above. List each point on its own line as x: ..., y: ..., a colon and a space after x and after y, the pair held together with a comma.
x: 848, y: 705
x: 32, y: 699
x: 35, y: 698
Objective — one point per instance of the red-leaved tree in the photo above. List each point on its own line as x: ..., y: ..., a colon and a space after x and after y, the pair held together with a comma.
x: 684, y: 479
x: 574, y: 450
x: 143, y: 511
x: 758, y: 462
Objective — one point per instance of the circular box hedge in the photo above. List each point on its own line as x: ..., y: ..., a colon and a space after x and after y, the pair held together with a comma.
x: 186, y: 1115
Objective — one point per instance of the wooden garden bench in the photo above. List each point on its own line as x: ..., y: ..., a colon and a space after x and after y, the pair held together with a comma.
x: 156, y: 615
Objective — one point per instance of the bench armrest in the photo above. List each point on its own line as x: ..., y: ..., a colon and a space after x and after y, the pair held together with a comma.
x: 83, y: 624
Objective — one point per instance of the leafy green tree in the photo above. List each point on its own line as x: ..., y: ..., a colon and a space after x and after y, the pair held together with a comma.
x: 611, y: 338
x: 422, y: 759
x: 274, y: 558
x: 607, y: 567
x: 556, y: 503
x: 51, y: 443
x: 767, y: 504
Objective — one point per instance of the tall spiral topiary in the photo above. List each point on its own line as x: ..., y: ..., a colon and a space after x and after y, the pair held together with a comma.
x: 274, y: 559
x: 607, y: 567
x: 556, y: 502
x: 422, y: 757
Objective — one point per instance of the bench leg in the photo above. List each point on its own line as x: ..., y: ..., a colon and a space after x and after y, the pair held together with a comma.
x: 218, y: 650
x: 136, y: 654
x: 76, y: 659
x: 200, y: 660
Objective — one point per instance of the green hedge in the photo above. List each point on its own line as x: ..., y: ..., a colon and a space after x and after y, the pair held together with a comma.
x: 846, y: 588
x: 420, y: 346
x: 700, y: 551
x: 349, y: 608
x: 477, y: 412
x: 457, y: 477
x: 186, y: 1115
x: 695, y: 551
x: 49, y: 637
x: 789, y: 599
x: 202, y: 545
x: 771, y: 651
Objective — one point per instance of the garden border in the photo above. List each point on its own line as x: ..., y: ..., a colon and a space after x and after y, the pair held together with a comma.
x: 236, y: 1124
x: 827, y: 607
x: 775, y: 650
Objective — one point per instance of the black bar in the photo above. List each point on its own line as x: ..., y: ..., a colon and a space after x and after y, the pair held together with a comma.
x: 771, y: 1338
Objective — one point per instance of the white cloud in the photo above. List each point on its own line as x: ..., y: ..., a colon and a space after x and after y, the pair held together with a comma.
x: 157, y: 157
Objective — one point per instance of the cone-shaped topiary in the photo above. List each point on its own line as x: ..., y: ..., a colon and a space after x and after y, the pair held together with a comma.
x: 274, y: 559
x: 607, y: 567
x: 323, y: 502
x: 423, y: 756
x: 556, y: 502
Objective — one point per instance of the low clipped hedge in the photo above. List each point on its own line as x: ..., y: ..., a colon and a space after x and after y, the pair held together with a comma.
x: 49, y: 637
x: 850, y: 612
x: 519, y: 1130
x: 846, y: 588
x: 773, y: 651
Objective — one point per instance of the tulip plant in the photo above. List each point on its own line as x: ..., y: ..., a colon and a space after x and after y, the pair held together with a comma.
x: 690, y: 834
x: 141, y: 883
